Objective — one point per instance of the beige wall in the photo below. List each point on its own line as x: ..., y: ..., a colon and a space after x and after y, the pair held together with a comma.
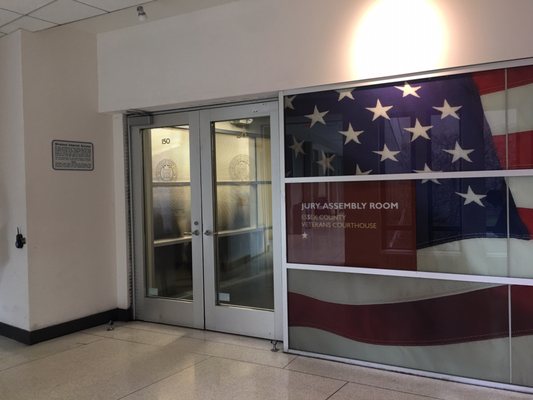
x: 248, y: 47
x: 13, y: 262
x: 71, y: 226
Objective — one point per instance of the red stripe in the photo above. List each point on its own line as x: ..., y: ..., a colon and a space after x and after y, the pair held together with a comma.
x: 520, y: 149
x: 521, y: 316
x: 477, y: 315
x: 494, y: 80
x: 489, y: 81
x: 519, y: 76
x: 526, y: 215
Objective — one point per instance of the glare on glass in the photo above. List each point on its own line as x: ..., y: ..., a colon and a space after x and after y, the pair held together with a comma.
x: 169, y: 264
x: 243, y: 216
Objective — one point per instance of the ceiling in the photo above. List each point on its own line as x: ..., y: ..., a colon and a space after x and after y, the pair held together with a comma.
x: 93, y: 16
x: 37, y: 15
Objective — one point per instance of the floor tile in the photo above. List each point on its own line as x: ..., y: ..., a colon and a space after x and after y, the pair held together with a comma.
x: 13, y: 353
x: 262, y: 344
x: 107, y: 369
x: 159, y: 328
x: 233, y: 352
x: 133, y: 335
x: 234, y: 380
x: 143, y: 360
x: 7, y: 345
x: 354, y: 391
x: 178, y: 341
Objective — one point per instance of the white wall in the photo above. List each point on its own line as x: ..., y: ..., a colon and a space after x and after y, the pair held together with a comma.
x: 71, y: 223
x: 13, y: 262
x: 251, y: 47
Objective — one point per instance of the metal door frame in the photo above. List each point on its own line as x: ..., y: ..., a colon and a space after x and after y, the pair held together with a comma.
x: 159, y: 309
x: 234, y: 319
x: 194, y: 314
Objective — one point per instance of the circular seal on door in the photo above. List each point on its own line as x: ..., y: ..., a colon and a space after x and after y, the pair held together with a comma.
x: 239, y: 168
x: 166, y: 170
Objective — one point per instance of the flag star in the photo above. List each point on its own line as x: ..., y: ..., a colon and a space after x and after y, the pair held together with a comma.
x: 419, y: 131
x: 387, y: 154
x: 471, y: 197
x: 426, y: 170
x: 288, y: 102
x: 351, y: 135
x: 409, y: 90
x: 325, y: 162
x: 448, y: 110
x: 458, y: 152
x: 304, y: 235
x: 379, y: 110
x: 297, y: 147
x: 317, y: 116
x: 345, y: 93
x: 359, y: 172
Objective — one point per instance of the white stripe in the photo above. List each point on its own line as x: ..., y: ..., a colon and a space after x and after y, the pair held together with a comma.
x: 345, y: 288
x: 494, y: 108
x: 522, y: 190
x: 520, y: 117
x: 479, y: 256
x: 520, y: 102
x: 484, y: 359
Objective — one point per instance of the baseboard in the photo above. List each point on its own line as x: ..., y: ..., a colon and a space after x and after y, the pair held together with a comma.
x: 51, y: 332
x: 12, y: 332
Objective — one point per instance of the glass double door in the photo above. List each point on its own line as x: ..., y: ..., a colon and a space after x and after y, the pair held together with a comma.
x: 207, y: 256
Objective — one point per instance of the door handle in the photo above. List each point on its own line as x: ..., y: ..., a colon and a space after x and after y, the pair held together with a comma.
x: 196, y: 232
x: 208, y: 232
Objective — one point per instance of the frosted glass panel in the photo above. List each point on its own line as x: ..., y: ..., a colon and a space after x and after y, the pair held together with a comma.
x: 169, y: 265
x: 235, y: 157
x: 170, y: 154
x: 243, y: 213
x: 236, y: 207
x: 263, y: 158
x: 264, y: 204
x: 172, y: 212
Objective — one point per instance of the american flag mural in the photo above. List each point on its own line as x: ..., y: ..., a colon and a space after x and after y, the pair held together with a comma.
x: 443, y: 124
x: 466, y: 329
x: 454, y: 123
x: 467, y: 225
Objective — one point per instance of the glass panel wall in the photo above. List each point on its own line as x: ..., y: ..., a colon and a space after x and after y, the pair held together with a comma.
x: 459, y: 214
x: 456, y: 328
x: 418, y: 126
x: 463, y: 226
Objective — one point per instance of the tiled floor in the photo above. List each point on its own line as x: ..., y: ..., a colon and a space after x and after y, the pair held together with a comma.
x: 146, y: 361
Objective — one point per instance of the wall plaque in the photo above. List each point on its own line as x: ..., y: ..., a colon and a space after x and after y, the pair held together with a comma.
x: 72, y: 156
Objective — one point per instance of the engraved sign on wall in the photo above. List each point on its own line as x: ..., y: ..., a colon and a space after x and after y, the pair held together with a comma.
x: 72, y: 156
